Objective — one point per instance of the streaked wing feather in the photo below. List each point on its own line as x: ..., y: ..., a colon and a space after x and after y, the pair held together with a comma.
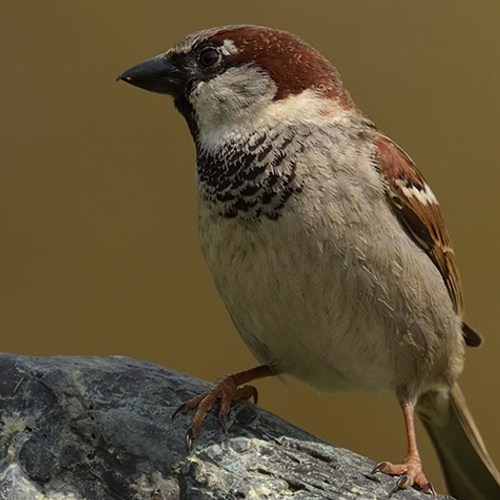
x: 418, y: 210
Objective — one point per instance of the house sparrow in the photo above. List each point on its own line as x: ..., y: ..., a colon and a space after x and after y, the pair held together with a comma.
x: 325, y: 242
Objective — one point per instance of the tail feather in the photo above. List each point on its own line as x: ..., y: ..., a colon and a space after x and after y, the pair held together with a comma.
x: 469, y: 472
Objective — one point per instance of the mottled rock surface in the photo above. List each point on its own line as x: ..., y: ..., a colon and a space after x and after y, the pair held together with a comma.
x: 100, y: 428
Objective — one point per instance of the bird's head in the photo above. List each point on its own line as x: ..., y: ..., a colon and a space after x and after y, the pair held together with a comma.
x: 222, y: 77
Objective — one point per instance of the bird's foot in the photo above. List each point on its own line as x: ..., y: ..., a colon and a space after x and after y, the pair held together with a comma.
x: 410, y: 473
x: 225, y: 390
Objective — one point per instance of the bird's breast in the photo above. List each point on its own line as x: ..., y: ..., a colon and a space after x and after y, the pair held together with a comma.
x: 325, y: 285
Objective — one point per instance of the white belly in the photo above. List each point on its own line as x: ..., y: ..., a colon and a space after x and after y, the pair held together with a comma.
x: 332, y: 289
x: 329, y: 309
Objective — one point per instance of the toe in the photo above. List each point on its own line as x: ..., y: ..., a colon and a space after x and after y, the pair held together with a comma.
x: 410, y: 473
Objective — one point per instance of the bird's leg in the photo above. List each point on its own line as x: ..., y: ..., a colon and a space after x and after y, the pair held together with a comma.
x: 410, y: 471
x: 227, y: 388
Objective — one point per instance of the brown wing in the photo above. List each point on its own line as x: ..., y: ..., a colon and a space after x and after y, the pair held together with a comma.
x: 418, y: 209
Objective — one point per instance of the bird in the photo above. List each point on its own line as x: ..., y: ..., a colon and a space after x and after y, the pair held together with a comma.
x: 325, y: 242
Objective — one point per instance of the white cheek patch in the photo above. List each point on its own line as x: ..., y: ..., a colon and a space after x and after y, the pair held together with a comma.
x: 425, y: 195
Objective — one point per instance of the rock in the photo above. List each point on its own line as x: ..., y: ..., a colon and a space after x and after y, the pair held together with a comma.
x: 100, y: 428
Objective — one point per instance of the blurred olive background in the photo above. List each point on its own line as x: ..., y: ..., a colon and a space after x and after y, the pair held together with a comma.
x: 98, y: 244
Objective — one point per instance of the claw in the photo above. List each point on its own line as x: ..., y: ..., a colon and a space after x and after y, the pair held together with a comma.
x: 180, y: 409
x: 403, y: 482
x: 380, y: 467
x: 248, y: 392
x: 432, y: 491
x: 223, y: 420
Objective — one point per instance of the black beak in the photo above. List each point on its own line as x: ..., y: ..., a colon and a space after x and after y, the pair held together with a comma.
x: 157, y: 74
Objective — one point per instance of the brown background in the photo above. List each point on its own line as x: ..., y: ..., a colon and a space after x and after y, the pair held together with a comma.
x: 98, y: 245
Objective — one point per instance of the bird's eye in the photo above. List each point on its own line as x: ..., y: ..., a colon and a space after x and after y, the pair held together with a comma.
x: 209, y: 57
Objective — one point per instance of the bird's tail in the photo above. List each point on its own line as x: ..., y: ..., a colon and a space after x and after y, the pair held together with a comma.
x: 469, y: 472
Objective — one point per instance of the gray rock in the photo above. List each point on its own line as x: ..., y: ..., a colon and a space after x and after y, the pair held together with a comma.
x: 100, y: 428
